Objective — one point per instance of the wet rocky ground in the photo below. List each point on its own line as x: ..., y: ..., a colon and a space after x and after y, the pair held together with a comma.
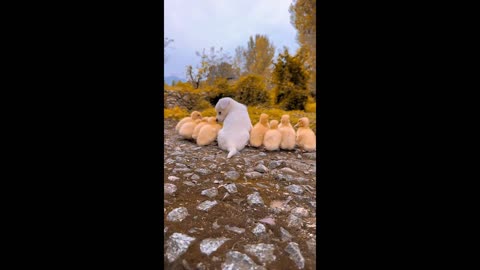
x: 253, y: 211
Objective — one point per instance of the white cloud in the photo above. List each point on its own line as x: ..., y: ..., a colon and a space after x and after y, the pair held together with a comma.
x: 198, y: 24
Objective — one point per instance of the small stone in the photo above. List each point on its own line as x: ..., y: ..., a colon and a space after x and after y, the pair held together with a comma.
x: 177, y: 245
x: 299, y: 212
x: 231, y: 188
x: 236, y: 260
x: 287, y: 170
x: 202, y: 171
x: 169, y: 189
x: 195, y: 177
x: 299, y: 156
x: 262, y: 154
x: 285, y: 235
x: 180, y: 165
x: 295, y: 189
x: 177, y: 153
x: 235, y: 229
x: 232, y: 175
x: 215, y: 225
x: 211, y: 192
x: 215, y: 259
x: 312, y: 156
x: 268, y: 220
x: 313, y: 204
x: 264, y: 252
x: 177, y: 214
x: 312, y: 246
x: 206, y: 205
x: 294, y: 221
x: 181, y: 170
x: 201, y: 266
x: 295, y: 255
x: 210, y: 245
x: 253, y: 175
x: 189, y: 183
x: 254, y: 199
x: 259, y: 229
x: 173, y: 178
x: 274, y: 164
x: 261, y: 168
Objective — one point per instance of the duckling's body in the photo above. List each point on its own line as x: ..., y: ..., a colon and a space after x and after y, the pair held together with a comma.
x: 193, y: 116
x: 258, y: 131
x: 305, y: 137
x: 272, y: 137
x: 208, y: 132
x: 288, y: 133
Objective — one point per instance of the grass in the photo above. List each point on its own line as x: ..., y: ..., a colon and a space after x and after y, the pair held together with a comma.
x: 178, y: 113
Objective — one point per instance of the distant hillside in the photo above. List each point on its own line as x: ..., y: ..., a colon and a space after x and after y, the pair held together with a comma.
x: 169, y: 79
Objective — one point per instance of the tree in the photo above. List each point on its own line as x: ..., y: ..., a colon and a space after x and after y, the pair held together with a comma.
x: 258, y: 56
x: 166, y: 42
x: 290, y: 79
x: 303, y: 16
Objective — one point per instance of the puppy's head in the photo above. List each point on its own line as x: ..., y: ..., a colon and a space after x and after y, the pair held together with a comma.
x: 264, y: 119
x: 302, y: 122
x: 285, y: 119
x: 222, y: 108
x: 196, y: 115
x: 273, y: 124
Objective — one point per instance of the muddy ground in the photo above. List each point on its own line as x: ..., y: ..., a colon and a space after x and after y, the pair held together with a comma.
x: 253, y: 211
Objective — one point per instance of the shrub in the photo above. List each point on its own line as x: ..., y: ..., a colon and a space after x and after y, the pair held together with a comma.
x: 250, y: 90
x: 220, y: 89
x: 176, y: 113
x: 311, y: 107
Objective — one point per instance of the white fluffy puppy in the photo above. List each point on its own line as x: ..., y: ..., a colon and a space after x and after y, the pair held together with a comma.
x: 273, y: 137
x: 288, y: 133
x: 305, y: 135
x: 236, y: 125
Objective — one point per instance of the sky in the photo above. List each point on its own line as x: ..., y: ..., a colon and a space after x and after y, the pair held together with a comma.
x: 198, y: 24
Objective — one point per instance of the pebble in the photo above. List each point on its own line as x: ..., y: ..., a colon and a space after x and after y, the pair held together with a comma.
x: 264, y: 252
x: 259, y: 229
x: 231, y: 188
x: 274, y: 164
x: 261, y: 168
x: 236, y: 260
x: 177, y: 214
x: 195, y: 177
x: 202, y: 171
x: 210, y: 245
x: 295, y: 255
x: 177, y: 245
x: 169, y: 189
x: 173, y: 178
x: 287, y: 170
x: 294, y: 221
x: 253, y: 175
x: 295, y: 189
x: 235, y: 229
x: 206, y: 205
x: 232, y: 175
x: 254, y: 199
x: 189, y: 183
x: 285, y: 235
x: 211, y: 192
x: 299, y: 212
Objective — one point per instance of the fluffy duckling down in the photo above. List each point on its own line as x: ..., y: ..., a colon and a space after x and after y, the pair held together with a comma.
x: 186, y: 130
x: 305, y: 139
x: 288, y: 133
x: 197, y: 128
x: 258, y: 131
x: 273, y: 137
x: 208, y: 133
x: 193, y: 116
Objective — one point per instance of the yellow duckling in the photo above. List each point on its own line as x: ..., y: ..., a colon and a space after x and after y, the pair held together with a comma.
x: 305, y: 139
x: 273, y: 137
x: 258, y: 131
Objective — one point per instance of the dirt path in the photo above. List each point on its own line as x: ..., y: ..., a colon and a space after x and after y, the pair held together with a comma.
x: 253, y: 211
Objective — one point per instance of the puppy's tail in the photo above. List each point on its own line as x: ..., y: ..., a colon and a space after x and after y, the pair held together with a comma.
x: 232, y: 150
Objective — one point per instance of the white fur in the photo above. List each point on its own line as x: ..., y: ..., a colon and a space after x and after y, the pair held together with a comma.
x: 235, y: 133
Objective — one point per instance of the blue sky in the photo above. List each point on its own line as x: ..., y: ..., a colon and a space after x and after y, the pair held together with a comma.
x: 198, y: 24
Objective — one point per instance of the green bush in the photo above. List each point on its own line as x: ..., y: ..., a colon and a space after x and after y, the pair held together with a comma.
x: 251, y: 90
x: 220, y: 89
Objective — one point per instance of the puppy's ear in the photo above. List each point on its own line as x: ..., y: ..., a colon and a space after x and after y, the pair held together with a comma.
x: 223, y: 103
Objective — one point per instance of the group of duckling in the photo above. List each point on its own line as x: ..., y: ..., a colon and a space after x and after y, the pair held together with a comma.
x: 275, y: 136
x: 203, y: 130
x: 271, y: 135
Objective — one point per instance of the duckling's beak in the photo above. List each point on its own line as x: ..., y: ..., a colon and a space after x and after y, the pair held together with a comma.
x: 296, y: 125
